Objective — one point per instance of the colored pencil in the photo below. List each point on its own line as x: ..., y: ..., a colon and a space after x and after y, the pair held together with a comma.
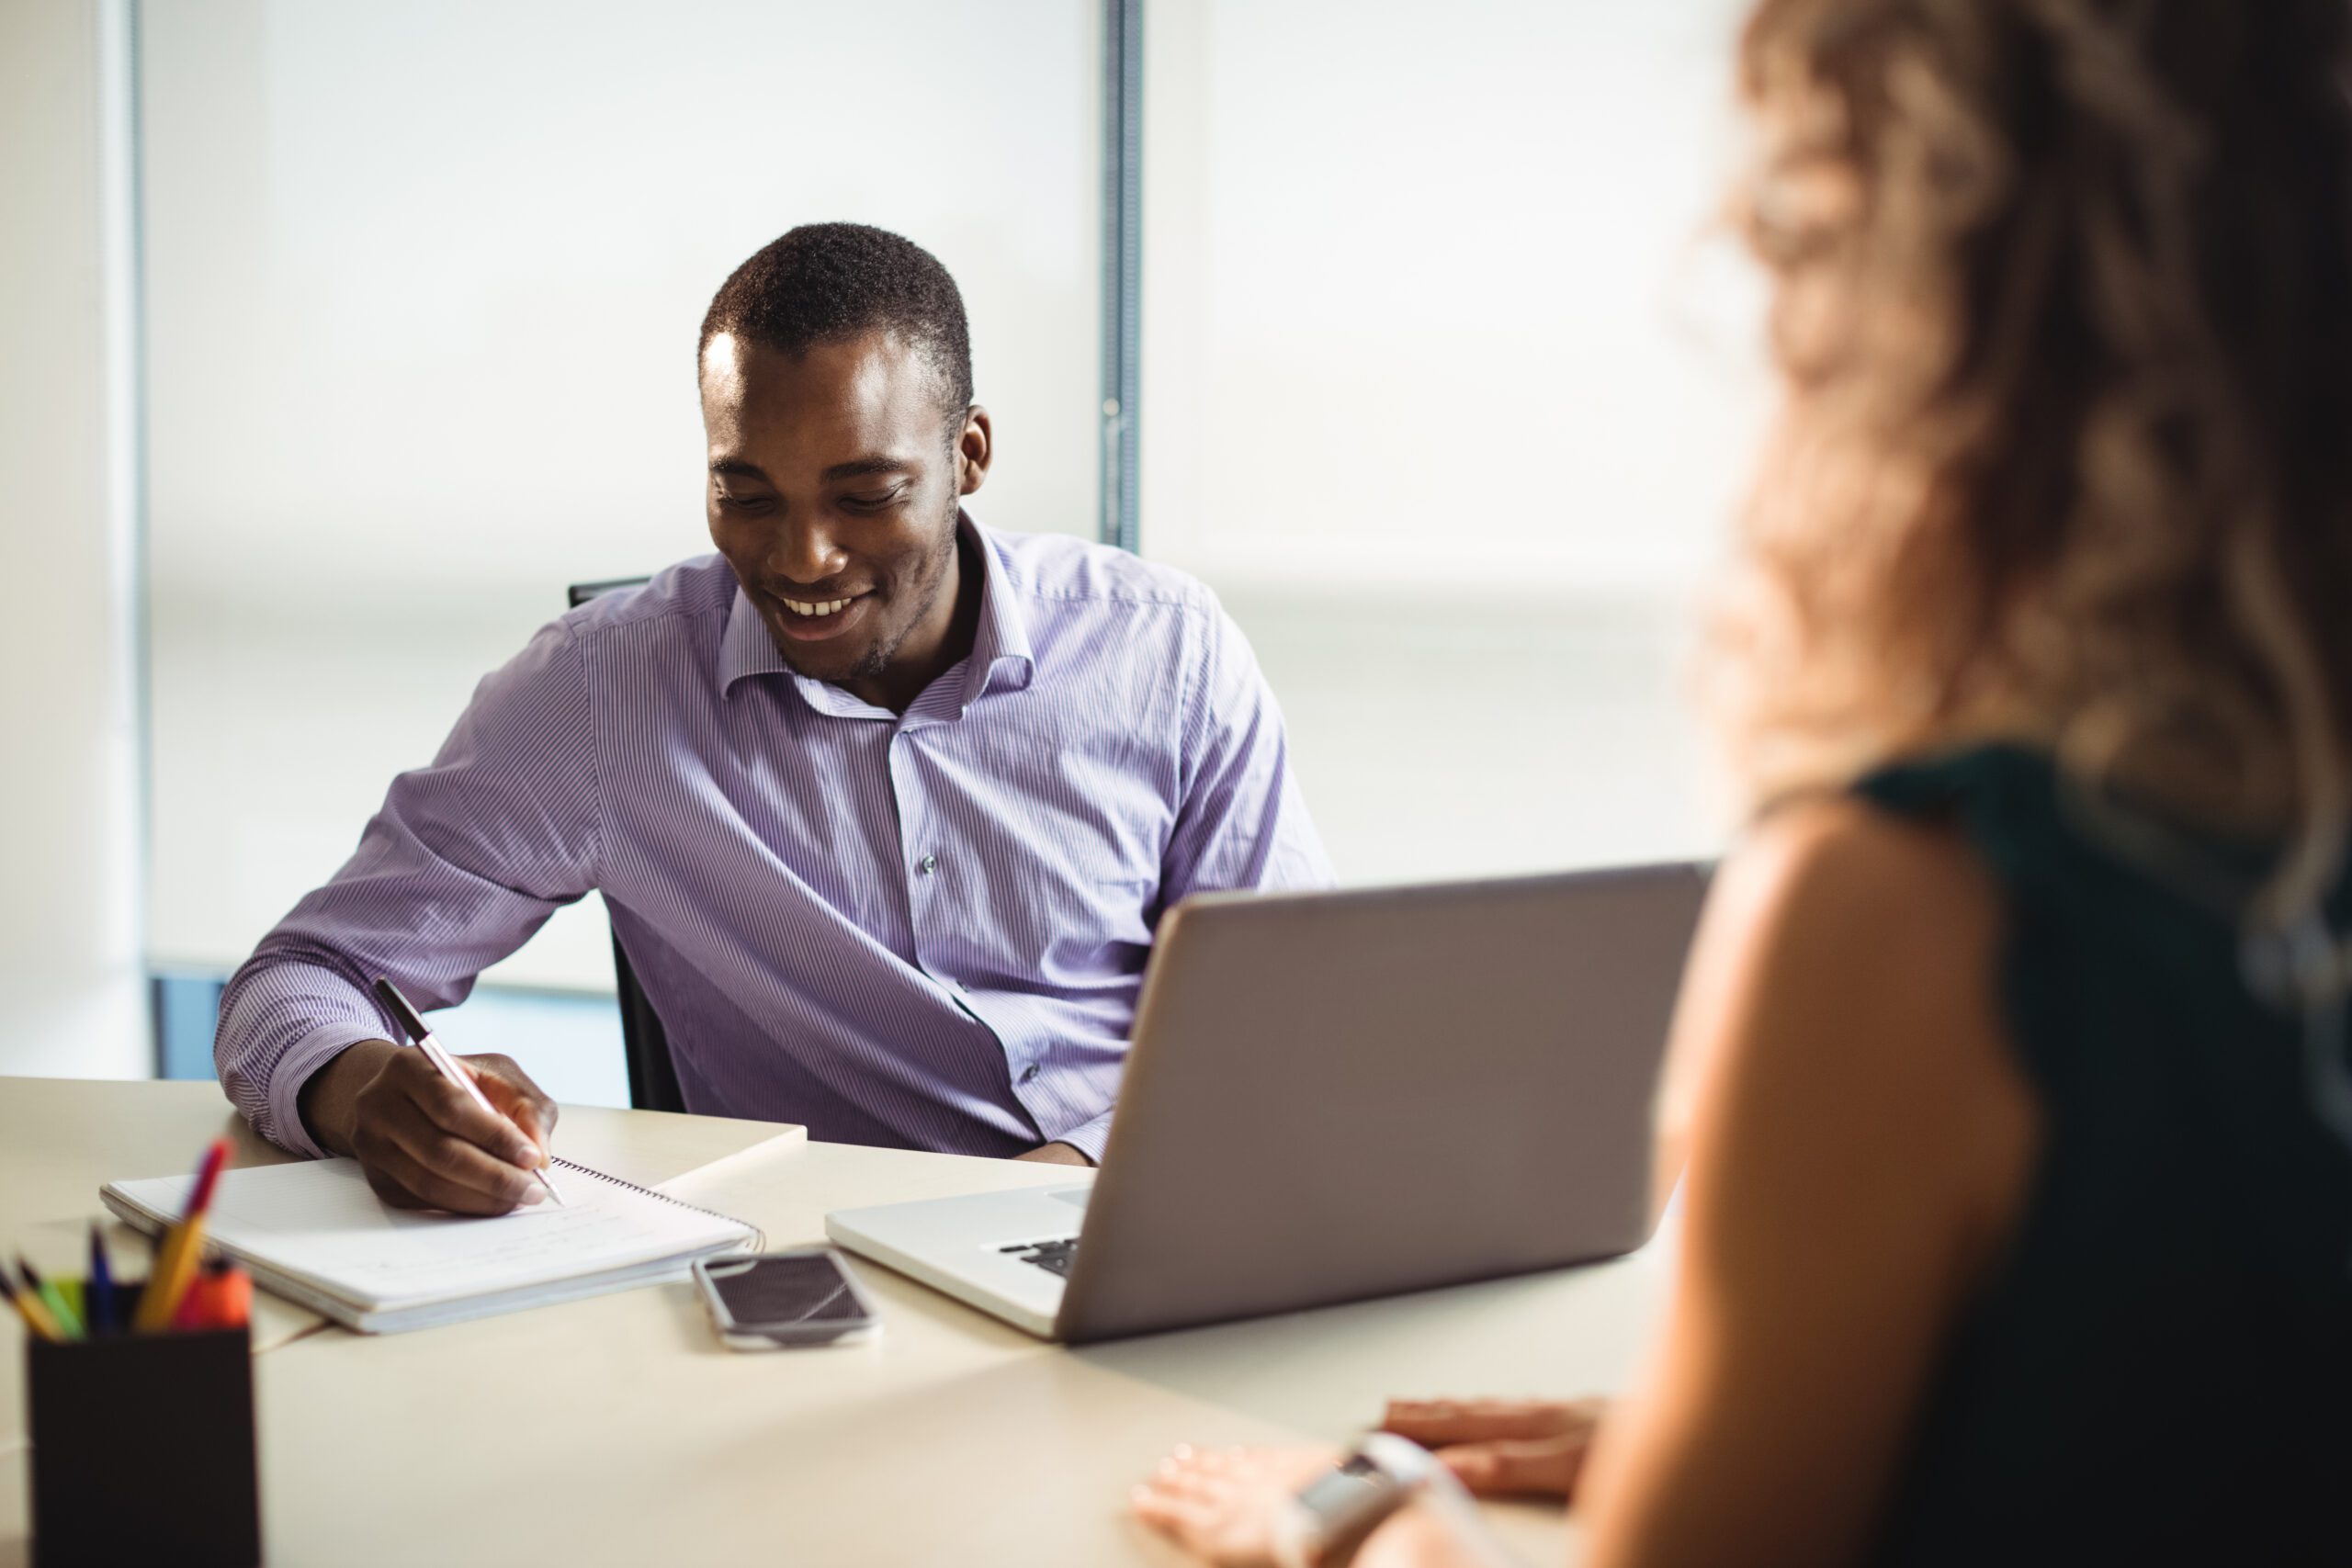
x: 29, y: 1307
x: 195, y: 1308
x: 183, y: 1248
x: 67, y: 1320
x: 100, y: 1293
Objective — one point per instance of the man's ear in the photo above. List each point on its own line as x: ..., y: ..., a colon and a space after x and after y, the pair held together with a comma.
x: 975, y: 449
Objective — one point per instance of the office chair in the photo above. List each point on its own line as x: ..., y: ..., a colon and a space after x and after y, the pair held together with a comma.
x: 653, y: 1078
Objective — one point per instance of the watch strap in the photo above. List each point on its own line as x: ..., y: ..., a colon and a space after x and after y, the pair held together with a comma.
x: 1305, y: 1534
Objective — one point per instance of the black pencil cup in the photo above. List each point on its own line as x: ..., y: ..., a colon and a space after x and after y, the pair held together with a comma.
x: 143, y: 1450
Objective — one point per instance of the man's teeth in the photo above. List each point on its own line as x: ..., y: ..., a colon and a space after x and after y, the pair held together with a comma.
x: 822, y: 607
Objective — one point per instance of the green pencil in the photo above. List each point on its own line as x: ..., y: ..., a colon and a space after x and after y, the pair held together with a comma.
x: 67, y: 1318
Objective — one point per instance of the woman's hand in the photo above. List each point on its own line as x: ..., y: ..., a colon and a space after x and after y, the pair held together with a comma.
x: 1224, y: 1504
x: 1503, y: 1447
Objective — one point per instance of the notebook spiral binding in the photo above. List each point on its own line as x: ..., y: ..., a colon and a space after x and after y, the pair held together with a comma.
x: 759, y: 1236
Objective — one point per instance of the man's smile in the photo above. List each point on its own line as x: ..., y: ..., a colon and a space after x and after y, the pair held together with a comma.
x: 816, y: 608
x: 820, y: 620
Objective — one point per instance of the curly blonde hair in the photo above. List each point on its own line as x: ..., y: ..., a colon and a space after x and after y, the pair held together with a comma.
x: 2064, y: 312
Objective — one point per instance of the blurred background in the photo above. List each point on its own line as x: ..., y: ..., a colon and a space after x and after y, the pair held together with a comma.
x: 337, y: 339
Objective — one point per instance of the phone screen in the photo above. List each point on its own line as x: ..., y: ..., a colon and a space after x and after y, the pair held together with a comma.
x: 763, y: 1293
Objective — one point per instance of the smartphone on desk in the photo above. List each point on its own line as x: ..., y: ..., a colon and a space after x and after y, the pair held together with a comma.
x: 805, y: 1296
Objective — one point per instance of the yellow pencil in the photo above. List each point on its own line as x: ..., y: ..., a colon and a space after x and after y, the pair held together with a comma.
x: 168, y: 1281
x: 37, y: 1316
x: 182, y: 1249
x: 52, y: 1300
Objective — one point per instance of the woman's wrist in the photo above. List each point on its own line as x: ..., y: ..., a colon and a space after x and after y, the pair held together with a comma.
x: 1392, y: 1502
x: 1323, y: 1522
x: 1418, y: 1535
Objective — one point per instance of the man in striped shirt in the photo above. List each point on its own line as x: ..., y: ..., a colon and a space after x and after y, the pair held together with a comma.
x: 883, y: 804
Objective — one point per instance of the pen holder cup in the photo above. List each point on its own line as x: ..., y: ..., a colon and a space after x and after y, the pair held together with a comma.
x: 143, y: 1450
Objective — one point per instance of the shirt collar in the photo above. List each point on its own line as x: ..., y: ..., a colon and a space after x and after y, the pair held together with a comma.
x: 1000, y: 657
x: 748, y: 649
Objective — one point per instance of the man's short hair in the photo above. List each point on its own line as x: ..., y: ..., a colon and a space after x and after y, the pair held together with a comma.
x: 825, y: 282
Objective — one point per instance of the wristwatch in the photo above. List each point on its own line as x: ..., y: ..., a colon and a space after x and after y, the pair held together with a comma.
x: 1336, y: 1510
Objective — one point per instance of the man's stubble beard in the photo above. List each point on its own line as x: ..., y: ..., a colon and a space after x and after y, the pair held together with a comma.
x: 877, y: 658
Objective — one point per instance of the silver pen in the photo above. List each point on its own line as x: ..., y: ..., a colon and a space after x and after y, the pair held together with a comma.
x: 445, y: 1064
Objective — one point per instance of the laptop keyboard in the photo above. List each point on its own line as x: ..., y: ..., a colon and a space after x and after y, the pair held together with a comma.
x: 1053, y: 1256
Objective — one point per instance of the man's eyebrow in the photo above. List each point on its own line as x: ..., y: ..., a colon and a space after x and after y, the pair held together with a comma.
x: 863, y: 468
x: 735, y: 467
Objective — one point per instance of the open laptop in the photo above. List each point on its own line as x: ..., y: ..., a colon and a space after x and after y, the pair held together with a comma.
x: 1335, y: 1096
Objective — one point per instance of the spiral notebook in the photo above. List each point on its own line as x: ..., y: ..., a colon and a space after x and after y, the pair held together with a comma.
x: 315, y: 1234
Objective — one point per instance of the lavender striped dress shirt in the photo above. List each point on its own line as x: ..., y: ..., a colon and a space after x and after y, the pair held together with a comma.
x: 925, y: 931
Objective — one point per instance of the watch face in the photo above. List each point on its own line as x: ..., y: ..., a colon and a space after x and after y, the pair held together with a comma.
x: 1356, y: 1493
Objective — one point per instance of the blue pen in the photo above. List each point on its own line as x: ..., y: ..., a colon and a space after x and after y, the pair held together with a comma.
x: 100, y: 1300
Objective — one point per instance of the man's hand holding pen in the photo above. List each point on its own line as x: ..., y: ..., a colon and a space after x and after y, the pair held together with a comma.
x: 422, y: 1141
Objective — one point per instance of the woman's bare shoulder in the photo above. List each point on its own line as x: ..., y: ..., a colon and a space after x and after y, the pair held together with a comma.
x: 1855, y: 975
x: 1852, y: 870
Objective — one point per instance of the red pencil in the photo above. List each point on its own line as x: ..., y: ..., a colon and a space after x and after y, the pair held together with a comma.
x: 197, y: 1309
x: 207, y: 1177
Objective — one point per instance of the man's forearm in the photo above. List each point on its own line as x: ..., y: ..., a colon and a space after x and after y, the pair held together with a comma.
x: 1056, y: 1154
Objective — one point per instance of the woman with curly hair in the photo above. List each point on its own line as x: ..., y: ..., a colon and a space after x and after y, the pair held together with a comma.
x: 2011, y: 1064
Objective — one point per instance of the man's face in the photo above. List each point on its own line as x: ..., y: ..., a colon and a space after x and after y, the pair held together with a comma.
x: 833, y: 486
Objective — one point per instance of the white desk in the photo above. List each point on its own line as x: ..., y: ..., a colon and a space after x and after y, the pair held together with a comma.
x: 617, y: 1430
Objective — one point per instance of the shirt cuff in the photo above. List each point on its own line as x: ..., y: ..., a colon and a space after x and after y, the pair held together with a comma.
x: 1088, y: 1137
x: 303, y: 1059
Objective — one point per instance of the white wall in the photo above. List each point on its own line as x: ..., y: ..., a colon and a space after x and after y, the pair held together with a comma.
x: 71, y: 996
x: 1436, y: 295
x: 1451, y: 384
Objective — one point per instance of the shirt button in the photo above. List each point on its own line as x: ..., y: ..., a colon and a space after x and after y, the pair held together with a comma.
x: 928, y: 864
x: 1029, y: 1073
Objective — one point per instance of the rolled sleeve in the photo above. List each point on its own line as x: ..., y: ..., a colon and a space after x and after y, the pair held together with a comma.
x: 280, y: 1115
x: 1088, y: 1137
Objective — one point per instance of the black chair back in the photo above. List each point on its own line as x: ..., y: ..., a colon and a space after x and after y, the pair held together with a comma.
x: 652, y: 1078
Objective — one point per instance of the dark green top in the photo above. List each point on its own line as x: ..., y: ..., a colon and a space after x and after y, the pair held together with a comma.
x: 2161, y: 1370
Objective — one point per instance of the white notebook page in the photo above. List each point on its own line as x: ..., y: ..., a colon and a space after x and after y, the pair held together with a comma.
x: 319, y: 1219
